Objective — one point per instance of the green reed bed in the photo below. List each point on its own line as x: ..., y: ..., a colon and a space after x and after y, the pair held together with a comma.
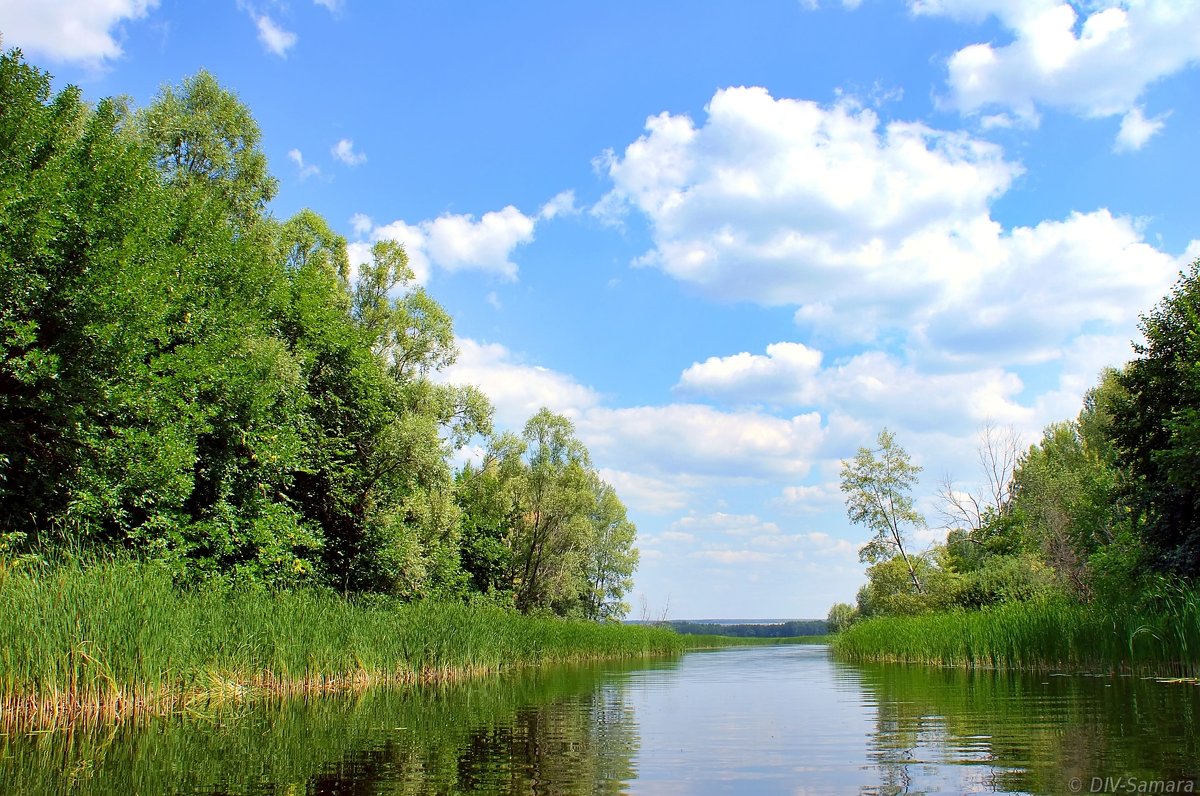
x: 1163, y: 639
x: 118, y: 637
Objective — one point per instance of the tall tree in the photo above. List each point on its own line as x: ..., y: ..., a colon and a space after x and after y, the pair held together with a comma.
x: 877, y: 484
x: 1157, y: 427
x: 557, y: 500
x: 610, y: 557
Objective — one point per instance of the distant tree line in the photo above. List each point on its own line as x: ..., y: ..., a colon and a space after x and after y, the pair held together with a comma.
x: 799, y: 627
x: 1105, y: 507
x: 189, y: 380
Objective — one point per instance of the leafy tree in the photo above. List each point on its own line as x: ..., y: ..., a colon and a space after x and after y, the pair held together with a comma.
x: 610, y: 557
x: 878, y: 484
x: 203, y: 135
x: 1156, y: 427
x: 841, y: 616
x: 555, y: 506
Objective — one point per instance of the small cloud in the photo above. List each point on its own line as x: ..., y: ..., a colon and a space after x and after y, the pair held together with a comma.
x: 562, y: 204
x: 361, y: 223
x: 494, y: 300
x: 274, y: 38
x: 1136, y: 130
x: 332, y: 5
x: 343, y: 150
x: 733, y: 556
x: 306, y: 169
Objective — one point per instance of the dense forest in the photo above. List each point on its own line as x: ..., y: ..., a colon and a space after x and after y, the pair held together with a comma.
x: 1103, y: 510
x: 188, y: 381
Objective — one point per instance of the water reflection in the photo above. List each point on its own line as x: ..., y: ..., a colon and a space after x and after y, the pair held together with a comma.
x: 761, y: 720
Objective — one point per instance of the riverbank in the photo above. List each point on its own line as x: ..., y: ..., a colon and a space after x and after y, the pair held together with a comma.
x: 117, y: 638
x: 1054, y: 634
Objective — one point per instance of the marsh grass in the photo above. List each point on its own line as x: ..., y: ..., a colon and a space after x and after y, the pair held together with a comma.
x: 118, y: 637
x: 1160, y: 638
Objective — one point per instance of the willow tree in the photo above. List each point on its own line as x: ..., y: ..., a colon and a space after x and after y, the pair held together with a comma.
x: 878, y: 484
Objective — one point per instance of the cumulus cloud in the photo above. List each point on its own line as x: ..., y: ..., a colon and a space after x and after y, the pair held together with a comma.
x: 647, y: 493
x: 274, y: 38
x: 872, y: 228
x: 517, y: 389
x: 454, y: 242
x: 696, y: 439
x: 777, y: 200
x: 673, y: 449
x: 1136, y: 130
x: 80, y: 31
x: 1095, y: 59
x: 874, y: 384
x: 344, y: 151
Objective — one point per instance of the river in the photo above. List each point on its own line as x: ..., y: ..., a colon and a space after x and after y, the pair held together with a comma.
x: 755, y: 720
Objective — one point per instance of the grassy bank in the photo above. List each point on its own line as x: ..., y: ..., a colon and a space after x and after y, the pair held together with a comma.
x: 118, y: 637
x: 1039, y: 635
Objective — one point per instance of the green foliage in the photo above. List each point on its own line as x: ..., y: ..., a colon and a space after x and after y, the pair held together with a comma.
x: 186, y: 378
x: 878, y: 486
x: 1156, y: 427
x: 120, y: 630
x: 1039, y: 634
x: 541, y: 526
x: 841, y: 616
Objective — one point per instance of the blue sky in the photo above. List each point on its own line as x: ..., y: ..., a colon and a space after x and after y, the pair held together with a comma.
x: 731, y: 241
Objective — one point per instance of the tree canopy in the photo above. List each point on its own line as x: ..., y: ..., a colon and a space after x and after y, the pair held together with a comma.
x: 190, y: 380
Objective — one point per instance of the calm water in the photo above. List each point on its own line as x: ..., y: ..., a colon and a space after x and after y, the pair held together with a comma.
x: 750, y: 720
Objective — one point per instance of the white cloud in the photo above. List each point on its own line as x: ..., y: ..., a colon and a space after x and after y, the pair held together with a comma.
x: 306, y: 170
x: 80, y: 31
x: 698, y: 440
x: 1095, y: 59
x: 517, y: 390
x: 778, y: 200
x: 723, y: 524
x: 874, y: 384
x: 647, y: 493
x: 343, y: 150
x: 673, y: 448
x: 362, y: 224
x: 871, y: 229
x: 812, y: 497
x: 734, y: 557
x: 413, y: 239
x: 274, y: 38
x: 331, y: 5
x: 562, y: 203
x: 1136, y: 130
x: 456, y: 242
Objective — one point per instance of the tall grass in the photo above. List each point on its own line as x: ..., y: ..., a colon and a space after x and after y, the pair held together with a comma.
x: 118, y: 636
x: 1163, y: 639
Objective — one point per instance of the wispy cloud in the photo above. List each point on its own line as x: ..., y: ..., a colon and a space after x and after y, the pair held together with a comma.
x: 344, y: 151
x: 274, y: 38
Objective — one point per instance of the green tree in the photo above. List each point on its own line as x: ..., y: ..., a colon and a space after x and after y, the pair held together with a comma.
x: 1156, y: 427
x: 841, y: 616
x: 610, y: 557
x: 556, y: 502
x: 877, y: 484
x: 203, y: 135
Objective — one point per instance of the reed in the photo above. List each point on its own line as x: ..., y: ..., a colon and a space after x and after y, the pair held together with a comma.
x: 1160, y: 637
x: 118, y: 637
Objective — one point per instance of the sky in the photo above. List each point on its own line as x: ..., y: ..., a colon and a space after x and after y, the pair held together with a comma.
x: 730, y: 241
